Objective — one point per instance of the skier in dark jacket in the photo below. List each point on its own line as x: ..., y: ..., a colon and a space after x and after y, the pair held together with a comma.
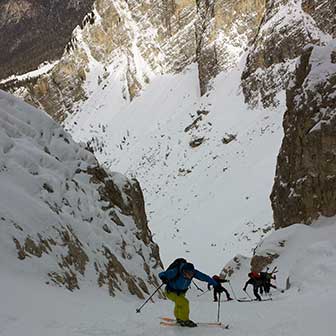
x: 266, y: 284
x: 266, y: 278
x: 220, y: 288
x: 178, y: 280
x: 256, y: 282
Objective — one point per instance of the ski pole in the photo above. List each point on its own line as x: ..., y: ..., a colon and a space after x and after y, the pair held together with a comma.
x: 200, y: 289
x: 204, y: 293
x: 279, y: 289
x: 248, y: 294
x: 138, y: 310
x: 234, y: 295
x: 218, y: 310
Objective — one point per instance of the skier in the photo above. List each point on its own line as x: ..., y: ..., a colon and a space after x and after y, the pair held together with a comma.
x: 220, y: 288
x: 266, y: 278
x: 177, y: 278
x: 255, y: 281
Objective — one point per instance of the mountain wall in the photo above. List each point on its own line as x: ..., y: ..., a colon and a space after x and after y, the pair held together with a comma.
x: 36, y: 31
x: 64, y: 217
x: 304, y: 187
x: 134, y: 41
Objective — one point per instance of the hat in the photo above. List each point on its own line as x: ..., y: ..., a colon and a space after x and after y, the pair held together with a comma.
x: 188, y: 267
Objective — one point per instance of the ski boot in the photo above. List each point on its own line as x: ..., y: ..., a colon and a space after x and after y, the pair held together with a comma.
x: 190, y: 324
x: 186, y: 323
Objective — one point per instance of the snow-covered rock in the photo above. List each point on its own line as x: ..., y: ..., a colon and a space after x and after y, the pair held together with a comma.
x: 305, y: 256
x: 63, y: 218
x: 287, y: 27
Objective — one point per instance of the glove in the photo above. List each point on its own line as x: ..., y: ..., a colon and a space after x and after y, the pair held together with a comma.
x: 164, y: 280
x: 209, y: 287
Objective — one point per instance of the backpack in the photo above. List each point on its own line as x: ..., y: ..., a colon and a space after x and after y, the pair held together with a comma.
x: 176, y: 264
x: 264, y: 275
x: 254, y: 275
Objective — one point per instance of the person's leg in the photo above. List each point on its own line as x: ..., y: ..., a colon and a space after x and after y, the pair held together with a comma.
x: 255, y: 292
x: 262, y: 289
x: 228, y: 297
x: 184, y: 310
x: 173, y: 297
x: 181, y: 310
x: 215, y: 295
x: 183, y: 305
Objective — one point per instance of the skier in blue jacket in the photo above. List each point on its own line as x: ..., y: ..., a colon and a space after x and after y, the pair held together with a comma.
x: 178, y: 280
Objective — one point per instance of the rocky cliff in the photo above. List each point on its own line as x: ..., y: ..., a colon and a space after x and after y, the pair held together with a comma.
x: 134, y: 41
x: 63, y: 216
x: 304, y: 187
x: 286, y: 28
x: 33, y: 32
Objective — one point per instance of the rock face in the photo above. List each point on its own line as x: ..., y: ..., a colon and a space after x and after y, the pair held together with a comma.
x: 136, y: 40
x: 286, y: 28
x: 65, y: 217
x: 36, y: 31
x: 305, y: 181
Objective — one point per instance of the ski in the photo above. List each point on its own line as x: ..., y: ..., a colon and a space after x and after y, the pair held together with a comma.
x: 253, y: 300
x: 199, y: 324
x: 170, y: 322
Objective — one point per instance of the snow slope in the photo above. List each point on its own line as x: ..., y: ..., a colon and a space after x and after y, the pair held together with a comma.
x: 306, y: 309
x: 194, y: 196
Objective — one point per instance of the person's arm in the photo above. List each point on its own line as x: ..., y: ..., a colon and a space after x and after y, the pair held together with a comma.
x: 206, y: 278
x: 223, y: 280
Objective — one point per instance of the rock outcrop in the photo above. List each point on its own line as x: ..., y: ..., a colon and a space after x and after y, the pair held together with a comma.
x: 68, y: 219
x: 305, y: 181
x: 287, y: 27
x: 33, y: 32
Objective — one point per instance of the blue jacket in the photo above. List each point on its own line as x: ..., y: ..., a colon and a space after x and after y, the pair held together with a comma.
x: 180, y: 284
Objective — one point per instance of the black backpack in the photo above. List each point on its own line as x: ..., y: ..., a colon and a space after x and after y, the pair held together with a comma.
x: 176, y: 264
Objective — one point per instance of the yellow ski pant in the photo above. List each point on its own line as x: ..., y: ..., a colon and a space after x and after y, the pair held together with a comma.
x: 181, y: 310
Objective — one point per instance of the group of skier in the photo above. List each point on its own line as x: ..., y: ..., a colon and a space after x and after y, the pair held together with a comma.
x: 179, y: 275
x: 261, y: 282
